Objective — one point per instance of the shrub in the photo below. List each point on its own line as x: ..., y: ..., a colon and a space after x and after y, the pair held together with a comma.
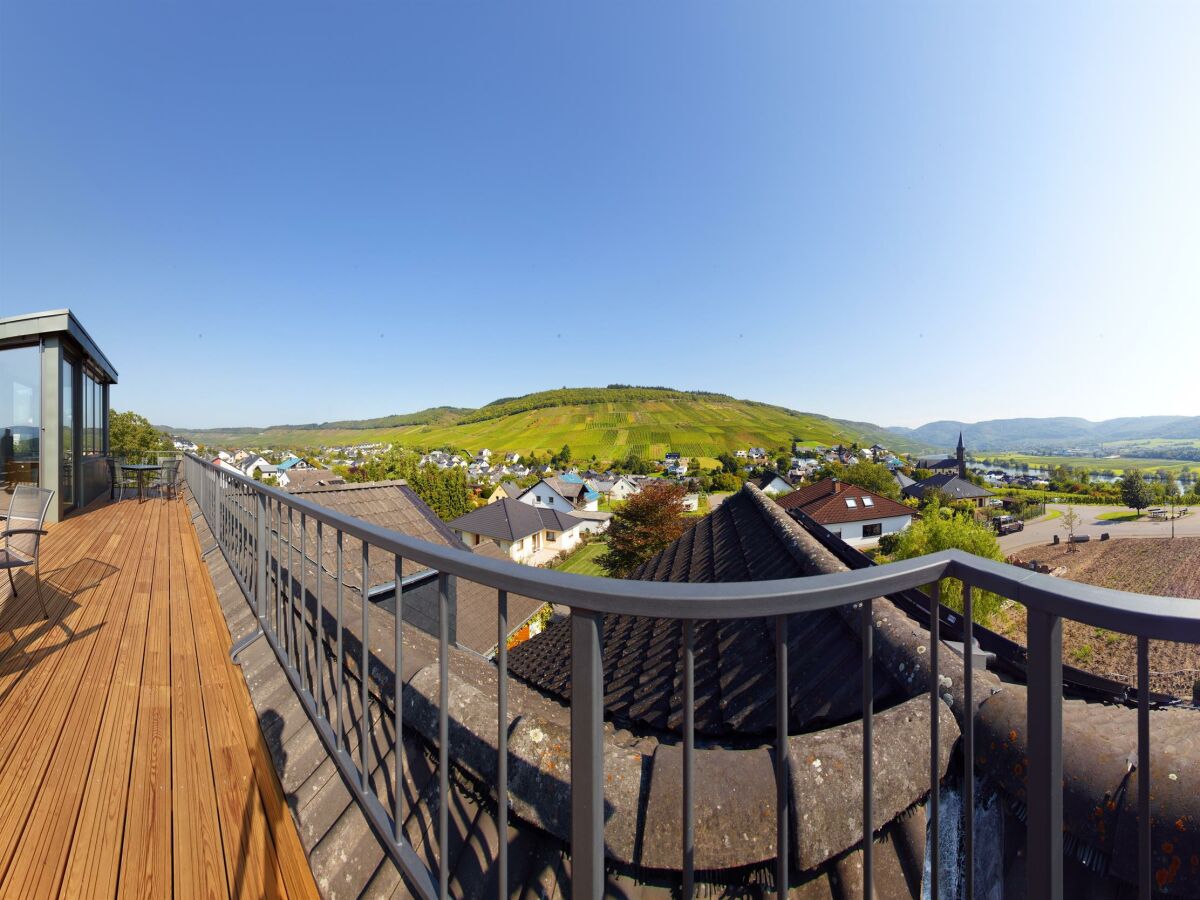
x: 943, y: 529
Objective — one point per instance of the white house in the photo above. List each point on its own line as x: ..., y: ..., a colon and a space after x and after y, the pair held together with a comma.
x: 854, y: 514
x: 691, y: 502
x: 561, y: 493
x: 771, y: 483
x: 622, y: 489
x: 254, y: 464
x: 526, y: 534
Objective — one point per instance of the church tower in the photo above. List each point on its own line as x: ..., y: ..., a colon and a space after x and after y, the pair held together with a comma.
x: 961, y: 453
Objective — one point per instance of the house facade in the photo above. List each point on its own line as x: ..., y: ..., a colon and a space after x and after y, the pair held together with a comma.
x: 854, y: 514
x: 523, y: 532
x: 561, y: 494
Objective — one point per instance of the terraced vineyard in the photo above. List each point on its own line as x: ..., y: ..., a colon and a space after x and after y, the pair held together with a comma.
x: 609, y: 429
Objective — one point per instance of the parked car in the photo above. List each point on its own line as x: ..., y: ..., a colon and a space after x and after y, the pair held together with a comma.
x: 1008, y: 524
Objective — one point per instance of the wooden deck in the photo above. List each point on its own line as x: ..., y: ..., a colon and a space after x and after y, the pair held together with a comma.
x: 131, y: 762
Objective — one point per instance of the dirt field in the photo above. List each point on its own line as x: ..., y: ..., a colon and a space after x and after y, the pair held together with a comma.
x: 1145, y: 565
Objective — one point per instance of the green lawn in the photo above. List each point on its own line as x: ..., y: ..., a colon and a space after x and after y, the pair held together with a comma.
x: 583, y: 560
x: 1050, y: 514
x: 1120, y: 515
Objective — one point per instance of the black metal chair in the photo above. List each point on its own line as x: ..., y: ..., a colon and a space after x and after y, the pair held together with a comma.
x: 23, y: 533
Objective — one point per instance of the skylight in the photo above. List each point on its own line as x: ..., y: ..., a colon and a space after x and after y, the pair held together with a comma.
x: 850, y: 502
x: 867, y: 501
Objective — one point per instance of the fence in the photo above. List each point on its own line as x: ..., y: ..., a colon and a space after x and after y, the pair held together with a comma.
x: 255, y: 527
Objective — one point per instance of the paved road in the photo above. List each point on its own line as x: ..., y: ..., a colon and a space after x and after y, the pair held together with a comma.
x: 1042, y: 531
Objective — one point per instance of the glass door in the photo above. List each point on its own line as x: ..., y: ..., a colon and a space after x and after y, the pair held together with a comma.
x: 69, y: 438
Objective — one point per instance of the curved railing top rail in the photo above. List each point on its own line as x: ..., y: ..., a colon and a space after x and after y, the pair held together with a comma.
x: 1164, y: 618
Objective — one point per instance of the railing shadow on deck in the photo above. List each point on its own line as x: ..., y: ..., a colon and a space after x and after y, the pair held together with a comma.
x: 59, y: 588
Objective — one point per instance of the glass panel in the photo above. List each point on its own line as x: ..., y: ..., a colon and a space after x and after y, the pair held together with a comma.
x: 20, y: 416
x: 68, y: 434
x: 85, y: 426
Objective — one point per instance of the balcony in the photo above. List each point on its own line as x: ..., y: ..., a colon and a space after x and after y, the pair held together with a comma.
x: 130, y: 758
x: 135, y: 755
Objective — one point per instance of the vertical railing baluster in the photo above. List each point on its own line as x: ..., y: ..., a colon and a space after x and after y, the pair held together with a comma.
x: 781, y: 757
x: 303, y: 624
x: 587, y: 755
x: 364, y: 670
x: 261, y: 549
x: 320, y: 660
x: 867, y: 627
x: 291, y: 593
x: 340, y: 658
x: 689, y: 741
x: 968, y: 743
x: 398, y: 703
x: 446, y: 586
x: 278, y: 605
x: 935, y: 609
x: 502, y: 742
x: 1145, y: 875
x: 1044, y: 778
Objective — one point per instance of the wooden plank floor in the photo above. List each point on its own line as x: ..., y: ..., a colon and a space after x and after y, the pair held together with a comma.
x: 131, y: 763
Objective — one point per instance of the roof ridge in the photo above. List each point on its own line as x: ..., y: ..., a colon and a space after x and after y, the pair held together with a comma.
x: 802, y: 546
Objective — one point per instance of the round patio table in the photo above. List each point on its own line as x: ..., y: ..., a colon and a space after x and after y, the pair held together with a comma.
x: 141, y: 469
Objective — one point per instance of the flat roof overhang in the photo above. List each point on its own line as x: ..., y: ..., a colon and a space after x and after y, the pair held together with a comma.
x: 56, y: 321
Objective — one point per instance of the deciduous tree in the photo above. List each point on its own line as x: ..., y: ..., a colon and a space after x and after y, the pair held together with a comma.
x: 1135, y: 493
x: 130, y: 434
x: 872, y: 476
x: 647, y: 523
x: 941, y: 529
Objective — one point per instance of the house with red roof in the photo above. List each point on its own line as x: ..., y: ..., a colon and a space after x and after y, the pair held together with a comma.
x: 854, y: 514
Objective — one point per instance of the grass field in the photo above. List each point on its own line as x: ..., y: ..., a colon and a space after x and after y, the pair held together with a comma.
x: 608, y: 430
x: 583, y: 560
x: 1120, y: 516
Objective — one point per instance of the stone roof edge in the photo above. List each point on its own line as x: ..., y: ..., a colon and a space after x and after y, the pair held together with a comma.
x: 735, y: 823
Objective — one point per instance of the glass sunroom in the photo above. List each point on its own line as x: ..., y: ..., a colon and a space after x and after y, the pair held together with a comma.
x: 54, y: 401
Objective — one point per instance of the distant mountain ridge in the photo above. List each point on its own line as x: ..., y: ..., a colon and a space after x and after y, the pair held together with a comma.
x: 1049, y: 433
x: 609, y: 422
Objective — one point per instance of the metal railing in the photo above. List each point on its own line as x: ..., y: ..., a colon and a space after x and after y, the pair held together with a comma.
x: 254, y: 526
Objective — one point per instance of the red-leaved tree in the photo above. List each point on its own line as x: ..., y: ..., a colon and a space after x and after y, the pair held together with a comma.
x: 649, y: 521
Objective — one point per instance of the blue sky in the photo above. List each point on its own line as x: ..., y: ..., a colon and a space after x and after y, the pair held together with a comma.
x: 897, y: 213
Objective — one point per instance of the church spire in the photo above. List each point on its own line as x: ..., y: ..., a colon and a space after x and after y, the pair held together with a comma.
x: 961, y: 453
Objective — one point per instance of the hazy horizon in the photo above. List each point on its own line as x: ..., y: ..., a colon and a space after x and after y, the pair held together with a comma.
x: 283, y: 213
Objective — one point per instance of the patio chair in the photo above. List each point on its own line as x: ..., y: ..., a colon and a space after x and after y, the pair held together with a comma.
x: 168, y: 478
x: 22, y: 535
x: 120, y: 478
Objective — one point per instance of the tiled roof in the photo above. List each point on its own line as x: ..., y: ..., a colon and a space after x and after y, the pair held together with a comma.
x: 951, y: 485
x: 833, y: 502
x: 394, y: 505
x: 389, y: 504
x: 948, y: 463
x: 300, y: 479
x: 746, y: 538
x: 511, y: 520
x: 763, y: 481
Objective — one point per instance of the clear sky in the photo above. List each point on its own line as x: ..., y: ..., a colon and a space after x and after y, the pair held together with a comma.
x: 271, y: 213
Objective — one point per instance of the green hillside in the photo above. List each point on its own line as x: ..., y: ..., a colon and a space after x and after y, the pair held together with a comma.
x: 608, y: 422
